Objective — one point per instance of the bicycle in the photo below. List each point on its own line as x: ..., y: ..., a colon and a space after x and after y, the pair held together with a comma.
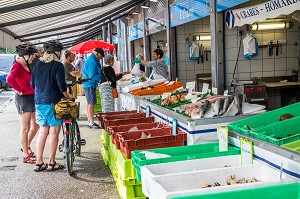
x: 72, y: 142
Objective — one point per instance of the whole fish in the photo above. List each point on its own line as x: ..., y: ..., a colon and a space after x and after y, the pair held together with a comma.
x: 218, y: 106
x: 204, y: 107
x: 238, y: 101
x: 227, y: 102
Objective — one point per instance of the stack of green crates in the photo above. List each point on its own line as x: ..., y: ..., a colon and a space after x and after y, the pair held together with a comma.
x: 121, y: 168
x: 279, y: 133
x: 288, y: 191
x: 264, y: 119
x: 180, y: 153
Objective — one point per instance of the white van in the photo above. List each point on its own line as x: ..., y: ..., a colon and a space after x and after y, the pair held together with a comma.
x: 6, y: 61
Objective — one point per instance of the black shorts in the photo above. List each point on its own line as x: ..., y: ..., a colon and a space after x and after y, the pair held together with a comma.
x: 24, y: 103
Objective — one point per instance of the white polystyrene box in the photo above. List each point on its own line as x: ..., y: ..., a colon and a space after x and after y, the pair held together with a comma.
x: 150, y: 172
x: 186, y: 184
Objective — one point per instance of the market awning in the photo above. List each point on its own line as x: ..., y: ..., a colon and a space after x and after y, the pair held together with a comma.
x: 70, y: 21
x: 260, y: 12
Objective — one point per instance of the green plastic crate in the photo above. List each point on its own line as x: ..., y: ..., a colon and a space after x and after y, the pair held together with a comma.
x: 105, y: 155
x: 104, y: 138
x: 180, y: 154
x: 284, y: 191
x: 279, y: 133
x: 294, y: 146
x: 263, y: 119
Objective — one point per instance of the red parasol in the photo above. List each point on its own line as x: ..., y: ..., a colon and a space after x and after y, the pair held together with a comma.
x: 88, y: 46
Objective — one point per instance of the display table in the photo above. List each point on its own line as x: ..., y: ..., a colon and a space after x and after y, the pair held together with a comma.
x: 198, y: 130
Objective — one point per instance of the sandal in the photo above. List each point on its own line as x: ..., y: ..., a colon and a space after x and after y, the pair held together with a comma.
x: 51, y: 167
x: 39, y: 167
x: 33, y: 155
x: 29, y: 159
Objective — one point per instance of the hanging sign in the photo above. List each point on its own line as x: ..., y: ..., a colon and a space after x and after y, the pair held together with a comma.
x: 246, y: 152
x: 260, y: 12
x: 156, y: 23
x: 136, y: 31
x: 188, y: 10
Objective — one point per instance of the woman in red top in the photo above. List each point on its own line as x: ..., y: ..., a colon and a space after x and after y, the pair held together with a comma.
x: 19, y: 79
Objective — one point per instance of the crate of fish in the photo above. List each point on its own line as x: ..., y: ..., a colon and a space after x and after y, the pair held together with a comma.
x: 182, y: 153
x: 216, y: 181
x: 100, y: 119
x: 294, y: 146
x: 290, y: 191
x: 113, y: 130
x: 150, y: 139
x: 246, y: 125
x: 279, y: 133
x: 151, y: 172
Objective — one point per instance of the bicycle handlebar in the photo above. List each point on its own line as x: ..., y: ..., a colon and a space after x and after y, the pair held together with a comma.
x: 79, y: 81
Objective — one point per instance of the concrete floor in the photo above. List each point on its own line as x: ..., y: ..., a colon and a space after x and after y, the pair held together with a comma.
x: 92, y: 178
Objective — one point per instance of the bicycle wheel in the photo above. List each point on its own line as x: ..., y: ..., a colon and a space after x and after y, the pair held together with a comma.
x: 69, y: 147
x: 77, y: 139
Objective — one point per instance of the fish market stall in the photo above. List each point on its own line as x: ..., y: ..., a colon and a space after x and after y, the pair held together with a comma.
x: 130, y: 92
x: 200, y: 119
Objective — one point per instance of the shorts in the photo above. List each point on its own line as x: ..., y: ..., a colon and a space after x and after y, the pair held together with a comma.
x: 45, y: 115
x: 90, y: 95
x: 24, y: 103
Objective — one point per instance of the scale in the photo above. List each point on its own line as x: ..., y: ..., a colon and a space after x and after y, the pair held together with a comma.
x: 254, y: 90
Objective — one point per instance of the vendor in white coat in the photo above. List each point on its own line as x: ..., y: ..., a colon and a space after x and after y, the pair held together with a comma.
x: 158, y: 65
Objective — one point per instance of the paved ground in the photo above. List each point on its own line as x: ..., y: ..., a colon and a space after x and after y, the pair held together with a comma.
x: 92, y: 178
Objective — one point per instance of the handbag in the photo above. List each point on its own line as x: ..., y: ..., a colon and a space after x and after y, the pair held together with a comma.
x: 114, y: 90
x: 66, y: 109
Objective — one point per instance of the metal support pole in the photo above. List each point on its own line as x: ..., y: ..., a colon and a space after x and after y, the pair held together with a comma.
x: 109, y: 32
x: 127, y: 47
x: 146, y: 44
x: 104, y: 38
x: 171, y: 41
x: 217, y: 50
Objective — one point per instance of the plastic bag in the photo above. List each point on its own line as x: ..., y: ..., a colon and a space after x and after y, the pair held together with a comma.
x: 136, y: 69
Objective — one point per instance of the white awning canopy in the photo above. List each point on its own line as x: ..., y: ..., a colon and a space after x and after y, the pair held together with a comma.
x: 260, y: 12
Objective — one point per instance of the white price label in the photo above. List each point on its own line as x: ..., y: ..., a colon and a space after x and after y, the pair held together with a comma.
x: 214, y: 90
x: 205, y: 88
x: 191, y: 85
x: 226, y: 92
x: 246, y: 152
x: 223, y: 138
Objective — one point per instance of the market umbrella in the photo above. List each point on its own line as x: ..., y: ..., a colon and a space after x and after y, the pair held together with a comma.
x: 88, y: 46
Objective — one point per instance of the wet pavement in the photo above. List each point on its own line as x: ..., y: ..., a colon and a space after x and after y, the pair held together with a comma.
x: 91, y: 178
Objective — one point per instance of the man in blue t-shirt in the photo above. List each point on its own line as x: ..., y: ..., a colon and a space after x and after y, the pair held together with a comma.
x: 92, y: 69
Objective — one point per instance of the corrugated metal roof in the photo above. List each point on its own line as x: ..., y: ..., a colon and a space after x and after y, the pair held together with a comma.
x: 14, y: 20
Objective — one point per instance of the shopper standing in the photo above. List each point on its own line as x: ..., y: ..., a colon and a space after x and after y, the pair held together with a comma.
x: 92, y: 69
x: 19, y: 79
x: 79, y: 64
x: 48, y: 80
x: 70, y: 72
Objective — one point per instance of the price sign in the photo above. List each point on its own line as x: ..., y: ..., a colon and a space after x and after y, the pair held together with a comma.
x: 205, y: 88
x: 223, y: 138
x: 226, y: 92
x: 214, y: 90
x: 190, y: 86
x: 246, y: 152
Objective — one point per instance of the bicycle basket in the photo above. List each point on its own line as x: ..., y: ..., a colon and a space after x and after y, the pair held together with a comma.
x: 66, y: 109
